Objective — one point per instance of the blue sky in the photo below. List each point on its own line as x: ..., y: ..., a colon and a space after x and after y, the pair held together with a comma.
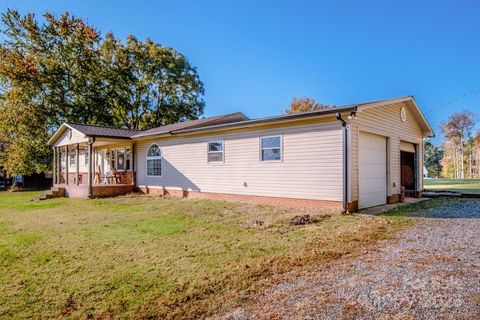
x: 254, y: 56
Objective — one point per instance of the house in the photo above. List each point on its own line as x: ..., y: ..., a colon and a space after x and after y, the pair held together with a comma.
x: 347, y: 157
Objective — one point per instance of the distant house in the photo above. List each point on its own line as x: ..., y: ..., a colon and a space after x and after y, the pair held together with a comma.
x: 348, y: 157
x: 425, y: 172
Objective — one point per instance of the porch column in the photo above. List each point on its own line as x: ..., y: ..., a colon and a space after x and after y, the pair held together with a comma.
x: 77, y: 162
x: 132, y: 160
x: 90, y: 166
x: 58, y: 165
x: 54, y: 167
x: 67, y: 164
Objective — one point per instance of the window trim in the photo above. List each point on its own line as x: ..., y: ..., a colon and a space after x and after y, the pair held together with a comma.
x: 154, y: 158
x: 223, y: 151
x: 261, y: 148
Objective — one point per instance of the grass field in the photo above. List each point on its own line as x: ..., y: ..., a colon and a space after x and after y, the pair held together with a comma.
x: 141, y: 257
x: 460, y: 185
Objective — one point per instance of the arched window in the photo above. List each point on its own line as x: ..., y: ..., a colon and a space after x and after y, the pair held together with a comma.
x: 154, y: 161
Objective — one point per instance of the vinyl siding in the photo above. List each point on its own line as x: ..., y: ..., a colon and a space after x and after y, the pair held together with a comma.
x: 311, y: 165
x: 77, y: 137
x: 386, y: 121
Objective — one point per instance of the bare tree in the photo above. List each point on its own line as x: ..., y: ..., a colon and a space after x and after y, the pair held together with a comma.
x: 458, y: 136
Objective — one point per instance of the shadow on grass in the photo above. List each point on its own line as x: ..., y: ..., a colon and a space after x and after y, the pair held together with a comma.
x: 439, y: 208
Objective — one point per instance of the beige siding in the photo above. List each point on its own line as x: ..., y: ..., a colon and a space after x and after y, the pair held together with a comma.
x: 77, y: 137
x: 386, y: 121
x: 311, y: 166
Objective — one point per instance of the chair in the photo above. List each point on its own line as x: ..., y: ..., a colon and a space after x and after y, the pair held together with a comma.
x: 116, y: 177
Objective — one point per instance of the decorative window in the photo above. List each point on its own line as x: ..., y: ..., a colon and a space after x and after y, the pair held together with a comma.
x: 271, y: 148
x: 215, y: 151
x: 73, y: 158
x: 121, y: 159
x: 154, y: 161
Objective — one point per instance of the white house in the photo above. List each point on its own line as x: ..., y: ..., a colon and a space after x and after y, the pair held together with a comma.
x: 347, y: 157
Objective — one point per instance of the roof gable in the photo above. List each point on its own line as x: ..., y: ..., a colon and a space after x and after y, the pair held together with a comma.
x: 413, y: 107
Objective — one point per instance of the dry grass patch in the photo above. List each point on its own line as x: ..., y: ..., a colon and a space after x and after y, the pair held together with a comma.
x: 146, y: 257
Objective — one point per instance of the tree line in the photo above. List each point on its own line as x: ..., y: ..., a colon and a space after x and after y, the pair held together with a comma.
x: 62, y: 70
x: 459, y: 155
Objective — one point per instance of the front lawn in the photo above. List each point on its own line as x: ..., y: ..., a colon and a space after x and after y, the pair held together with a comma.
x: 459, y: 185
x: 146, y: 257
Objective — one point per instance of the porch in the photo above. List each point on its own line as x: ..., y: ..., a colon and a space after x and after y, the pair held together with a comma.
x: 94, y: 168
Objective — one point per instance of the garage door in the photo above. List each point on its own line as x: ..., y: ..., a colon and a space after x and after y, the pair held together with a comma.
x: 372, y: 170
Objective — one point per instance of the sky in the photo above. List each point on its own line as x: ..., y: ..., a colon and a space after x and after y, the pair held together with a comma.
x: 254, y: 56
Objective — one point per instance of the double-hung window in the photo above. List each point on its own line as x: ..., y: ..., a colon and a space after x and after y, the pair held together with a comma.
x: 154, y: 161
x: 271, y: 148
x: 215, y: 151
x: 73, y: 159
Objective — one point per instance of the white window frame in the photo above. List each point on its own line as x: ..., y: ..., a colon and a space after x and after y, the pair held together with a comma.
x: 223, y: 151
x: 154, y: 158
x: 72, y: 156
x: 261, y: 148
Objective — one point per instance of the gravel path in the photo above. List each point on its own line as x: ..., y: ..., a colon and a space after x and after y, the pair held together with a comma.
x: 431, y: 272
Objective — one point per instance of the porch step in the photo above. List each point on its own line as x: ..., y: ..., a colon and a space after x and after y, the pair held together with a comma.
x: 54, y: 192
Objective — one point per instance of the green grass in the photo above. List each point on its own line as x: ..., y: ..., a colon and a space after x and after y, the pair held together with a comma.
x: 143, y: 257
x: 459, y: 185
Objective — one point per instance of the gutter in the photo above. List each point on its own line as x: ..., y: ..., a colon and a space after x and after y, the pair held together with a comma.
x: 345, y: 162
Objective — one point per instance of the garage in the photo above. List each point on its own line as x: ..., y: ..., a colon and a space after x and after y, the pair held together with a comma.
x: 372, y: 170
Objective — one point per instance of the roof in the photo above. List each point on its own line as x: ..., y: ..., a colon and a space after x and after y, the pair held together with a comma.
x: 426, y: 128
x: 237, y: 120
x: 101, y: 131
x: 121, y: 133
x: 222, y: 119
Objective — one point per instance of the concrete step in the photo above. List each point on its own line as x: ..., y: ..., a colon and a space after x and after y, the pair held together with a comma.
x: 54, y: 192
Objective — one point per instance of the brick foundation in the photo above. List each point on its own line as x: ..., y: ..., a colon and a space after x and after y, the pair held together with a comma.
x: 112, y: 190
x: 394, y: 198
x: 303, y: 204
x: 81, y: 191
x: 353, y: 206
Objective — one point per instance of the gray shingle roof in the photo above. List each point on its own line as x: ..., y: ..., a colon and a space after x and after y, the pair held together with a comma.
x: 222, y: 119
x: 108, y: 132
x: 100, y: 131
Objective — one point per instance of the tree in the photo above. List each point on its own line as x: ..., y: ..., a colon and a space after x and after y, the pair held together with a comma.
x: 433, y: 156
x: 62, y: 70
x: 48, y: 75
x: 150, y: 85
x: 457, y: 131
x: 306, y: 104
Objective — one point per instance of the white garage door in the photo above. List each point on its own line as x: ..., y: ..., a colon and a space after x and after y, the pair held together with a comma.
x: 372, y: 170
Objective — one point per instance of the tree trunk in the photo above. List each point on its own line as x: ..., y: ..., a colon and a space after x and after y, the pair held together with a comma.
x: 462, y: 159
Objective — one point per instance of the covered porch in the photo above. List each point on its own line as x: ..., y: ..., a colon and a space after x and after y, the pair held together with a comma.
x: 92, y: 165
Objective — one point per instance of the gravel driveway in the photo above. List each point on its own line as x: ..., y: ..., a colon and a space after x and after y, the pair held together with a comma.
x: 431, y: 272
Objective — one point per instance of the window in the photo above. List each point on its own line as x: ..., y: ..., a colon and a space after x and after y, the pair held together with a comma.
x: 86, y: 158
x: 154, y: 161
x: 120, y: 159
x: 127, y: 160
x: 112, y: 159
x: 215, y: 151
x: 271, y: 148
x: 73, y: 158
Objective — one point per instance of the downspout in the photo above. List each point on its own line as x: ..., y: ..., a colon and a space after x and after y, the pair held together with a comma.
x: 345, y: 163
